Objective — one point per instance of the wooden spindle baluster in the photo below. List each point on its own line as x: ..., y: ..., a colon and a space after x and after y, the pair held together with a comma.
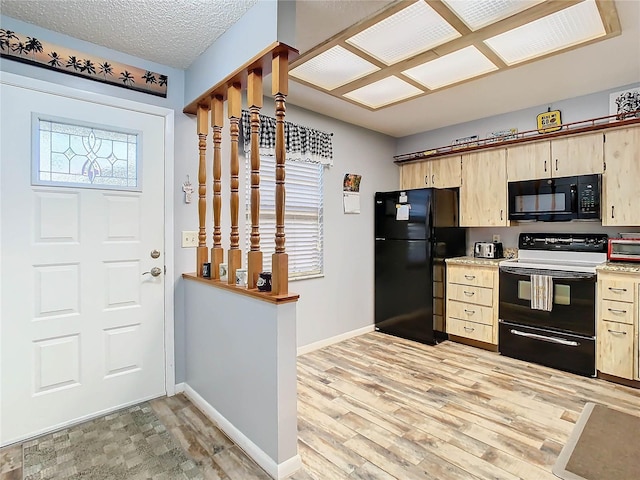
x: 254, y: 99
x: 202, y: 252
x: 234, y: 105
x: 280, y: 88
x: 217, y: 122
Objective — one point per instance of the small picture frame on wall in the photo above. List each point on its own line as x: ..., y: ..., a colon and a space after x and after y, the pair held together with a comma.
x: 625, y: 104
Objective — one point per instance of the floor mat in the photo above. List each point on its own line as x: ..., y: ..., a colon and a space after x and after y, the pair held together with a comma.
x: 603, y: 446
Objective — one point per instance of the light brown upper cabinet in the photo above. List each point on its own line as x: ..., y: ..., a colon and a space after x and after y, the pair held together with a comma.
x: 560, y: 157
x: 621, y: 178
x: 438, y: 173
x: 529, y: 161
x: 483, y: 194
x: 579, y: 155
x: 445, y: 172
x: 413, y: 175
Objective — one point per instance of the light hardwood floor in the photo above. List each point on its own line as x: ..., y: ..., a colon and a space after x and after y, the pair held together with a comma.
x: 380, y: 407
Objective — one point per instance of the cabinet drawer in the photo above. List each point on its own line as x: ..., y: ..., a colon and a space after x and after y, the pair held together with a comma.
x: 615, y: 349
x: 613, y: 311
x: 475, y: 331
x: 468, y: 294
x: 476, y: 277
x: 470, y: 312
x: 614, y: 289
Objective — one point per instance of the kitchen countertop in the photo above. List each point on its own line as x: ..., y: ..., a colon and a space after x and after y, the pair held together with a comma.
x: 487, y: 262
x: 619, y: 267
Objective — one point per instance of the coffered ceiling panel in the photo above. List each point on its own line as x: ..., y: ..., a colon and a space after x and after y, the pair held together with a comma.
x: 480, y: 14
x: 404, y: 34
x: 333, y: 68
x: 558, y: 31
x: 382, y: 92
x: 453, y: 68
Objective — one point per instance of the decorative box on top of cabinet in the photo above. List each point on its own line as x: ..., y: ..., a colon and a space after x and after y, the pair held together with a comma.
x: 617, y: 328
x: 472, y: 301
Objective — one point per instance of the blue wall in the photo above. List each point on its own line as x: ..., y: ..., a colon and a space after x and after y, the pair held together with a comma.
x: 572, y: 110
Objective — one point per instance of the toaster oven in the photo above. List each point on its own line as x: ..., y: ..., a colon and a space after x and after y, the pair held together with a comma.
x: 624, y: 249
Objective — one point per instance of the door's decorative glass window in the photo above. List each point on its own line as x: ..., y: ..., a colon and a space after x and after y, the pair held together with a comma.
x: 67, y: 154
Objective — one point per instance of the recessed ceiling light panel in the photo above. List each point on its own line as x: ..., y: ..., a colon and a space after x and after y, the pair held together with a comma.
x: 383, y: 92
x: 413, y: 30
x: 452, y: 68
x: 333, y: 68
x: 571, y: 26
x: 480, y: 14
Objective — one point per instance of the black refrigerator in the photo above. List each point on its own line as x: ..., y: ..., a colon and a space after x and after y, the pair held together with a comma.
x: 415, y: 230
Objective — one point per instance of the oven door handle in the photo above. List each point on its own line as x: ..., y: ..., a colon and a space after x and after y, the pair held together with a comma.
x: 544, y: 338
x: 555, y: 274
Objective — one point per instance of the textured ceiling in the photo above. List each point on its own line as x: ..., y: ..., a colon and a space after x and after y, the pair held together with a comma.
x: 174, y: 32
x: 170, y: 32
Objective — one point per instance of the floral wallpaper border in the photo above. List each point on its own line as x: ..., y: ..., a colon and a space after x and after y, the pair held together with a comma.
x: 22, y: 48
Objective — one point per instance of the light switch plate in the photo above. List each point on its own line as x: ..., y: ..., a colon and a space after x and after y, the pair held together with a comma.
x: 189, y: 238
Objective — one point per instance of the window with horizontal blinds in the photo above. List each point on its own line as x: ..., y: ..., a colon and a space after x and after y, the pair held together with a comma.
x: 303, y: 215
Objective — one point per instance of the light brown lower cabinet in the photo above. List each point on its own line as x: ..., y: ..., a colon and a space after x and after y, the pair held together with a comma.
x: 472, y: 302
x: 617, y: 319
x: 615, y: 349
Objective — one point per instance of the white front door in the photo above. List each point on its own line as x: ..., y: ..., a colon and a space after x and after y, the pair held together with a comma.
x: 82, y: 328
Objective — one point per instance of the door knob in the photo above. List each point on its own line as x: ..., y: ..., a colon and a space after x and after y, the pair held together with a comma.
x: 155, y: 271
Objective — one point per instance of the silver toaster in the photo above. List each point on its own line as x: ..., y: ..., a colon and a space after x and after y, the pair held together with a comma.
x: 488, y: 250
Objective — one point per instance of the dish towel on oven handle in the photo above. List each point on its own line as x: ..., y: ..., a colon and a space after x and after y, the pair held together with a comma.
x: 541, y: 292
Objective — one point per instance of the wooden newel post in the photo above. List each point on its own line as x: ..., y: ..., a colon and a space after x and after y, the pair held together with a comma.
x: 254, y: 99
x: 202, y: 252
x: 280, y: 89
x: 234, y: 105
x: 217, y: 122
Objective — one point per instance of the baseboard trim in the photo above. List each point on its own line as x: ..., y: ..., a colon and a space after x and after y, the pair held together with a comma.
x: 179, y: 388
x: 275, y: 470
x: 331, y: 340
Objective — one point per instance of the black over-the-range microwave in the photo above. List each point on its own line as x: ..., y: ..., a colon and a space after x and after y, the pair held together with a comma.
x: 555, y: 199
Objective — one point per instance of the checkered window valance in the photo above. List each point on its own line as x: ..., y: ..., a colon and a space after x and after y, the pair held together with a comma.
x: 301, y: 143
